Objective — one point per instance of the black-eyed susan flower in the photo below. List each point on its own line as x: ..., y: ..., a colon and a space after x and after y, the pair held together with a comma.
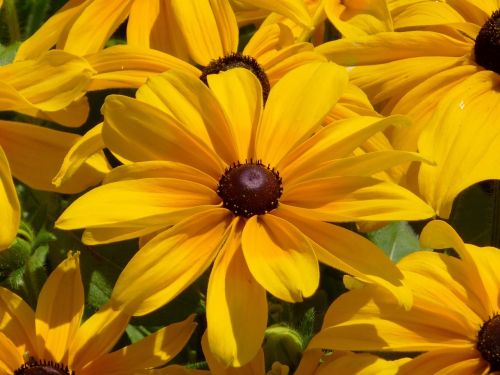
x: 251, y: 189
x: 83, y: 27
x: 454, y: 318
x: 52, y: 339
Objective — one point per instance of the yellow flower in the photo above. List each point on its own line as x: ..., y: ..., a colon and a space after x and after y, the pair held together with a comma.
x: 454, y: 318
x: 83, y: 27
x: 438, y: 64
x: 244, y: 186
x: 52, y: 338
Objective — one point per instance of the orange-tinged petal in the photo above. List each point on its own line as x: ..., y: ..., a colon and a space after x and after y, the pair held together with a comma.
x: 359, y: 364
x: 235, y: 327
x: 461, y: 139
x: 280, y: 257
x: 357, y: 18
x: 152, y: 351
x: 9, y: 204
x: 344, y: 250
x: 208, y: 26
x: 334, y: 141
x: 130, y: 66
x: 354, y: 198
x: 144, y: 202
x: 96, y: 336
x: 10, y: 356
x: 25, y: 143
x: 193, y: 105
x: 95, y: 24
x: 254, y: 367
x: 102, y: 235
x: 17, y: 321
x: 137, y: 131
x: 170, y: 262
x: 239, y: 93
x: 285, y: 123
x: 59, y: 310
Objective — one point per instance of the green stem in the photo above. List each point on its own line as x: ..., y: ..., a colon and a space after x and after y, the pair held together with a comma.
x: 495, y: 228
x: 10, y: 16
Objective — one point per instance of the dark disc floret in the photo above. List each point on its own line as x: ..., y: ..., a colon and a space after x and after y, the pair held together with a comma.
x: 42, y: 367
x: 237, y: 60
x: 250, y: 189
x: 487, y: 47
x: 488, y: 342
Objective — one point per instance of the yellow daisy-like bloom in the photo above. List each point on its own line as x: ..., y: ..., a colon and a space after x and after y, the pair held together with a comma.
x: 437, y: 62
x: 83, y: 27
x: 455, y: 317
x: 51, y: 340
x: 245, y: 186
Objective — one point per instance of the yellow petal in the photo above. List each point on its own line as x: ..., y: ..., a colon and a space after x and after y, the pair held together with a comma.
x: 421, y: 14
x: 35, y: 154
x: 143, y: 203
x: 9, y: 204
x: 461, y: 140
x: 10, y: 357
x: 152, y: 351
x: 208, y: 26
x: 170, y: 262
x: 354, y: 198
x: 268, y: 38
x: 59, y: 310
x: 293, y: 9
x: 280, y: 257
x: 156, y: 135
x: 357, y: 18
x: 187, y: 99
x: 96, y: 336
x: 235, y: 327
x: 239, y: 93
x: 95, y: 24
x: 351, y: 253
x: 18, y: 321
x: 130, y: 66
x: 289, y: 117
x: 359, y: 364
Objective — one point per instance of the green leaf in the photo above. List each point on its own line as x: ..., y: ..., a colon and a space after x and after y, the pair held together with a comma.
x: 8, y: 53
x: 397, y: 239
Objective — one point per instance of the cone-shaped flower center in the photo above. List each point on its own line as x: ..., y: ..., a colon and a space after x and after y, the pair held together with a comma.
x: 488, y: 342
x: 34, y: 367
x: 487, y: 47
x: 237, y: 60
x: 250, y: 189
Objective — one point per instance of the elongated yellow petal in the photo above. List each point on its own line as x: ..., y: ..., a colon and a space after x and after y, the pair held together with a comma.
x: 142, y: 19
x: 355, y: 198
x: 357, y: 18
x: 145, y: 202
x: 95, y: 24
x: 293, y: 9
x: 10, y: 356
x: 268, y: 38
x: 351, y: 253
x: 284, y: 123
x: 235, y: 327
x: 461, y: 140
x: 59, y: 310
x: 359, y: 364
x: 239, y: 93
x: 188, y: 100
x: 18, y: 321
x: 96, y: 336
x: 152, y: 351
x: 9, y: 204
x: 170, y: 262
x: 35, y: 154
x: 130, y: 66
x: 280, y: 257
x: 138, y: 131
x: 209, y: 28
x: 425, y: 13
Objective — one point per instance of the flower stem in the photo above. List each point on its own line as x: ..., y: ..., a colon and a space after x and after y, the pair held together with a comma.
x: 495, y: 228
x: 11, y: 20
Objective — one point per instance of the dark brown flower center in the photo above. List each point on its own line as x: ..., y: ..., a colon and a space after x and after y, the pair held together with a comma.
x: 488, y: 342
x: 42, y: 367
x: 237, y: 60
x: 487, y: 47
x: 250, y: 189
